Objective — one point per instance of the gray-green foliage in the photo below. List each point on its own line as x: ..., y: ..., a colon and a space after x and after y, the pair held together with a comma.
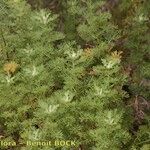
x: 64, y: 86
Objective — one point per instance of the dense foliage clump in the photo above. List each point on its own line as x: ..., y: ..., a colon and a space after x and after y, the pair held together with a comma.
x: 75, y: 70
